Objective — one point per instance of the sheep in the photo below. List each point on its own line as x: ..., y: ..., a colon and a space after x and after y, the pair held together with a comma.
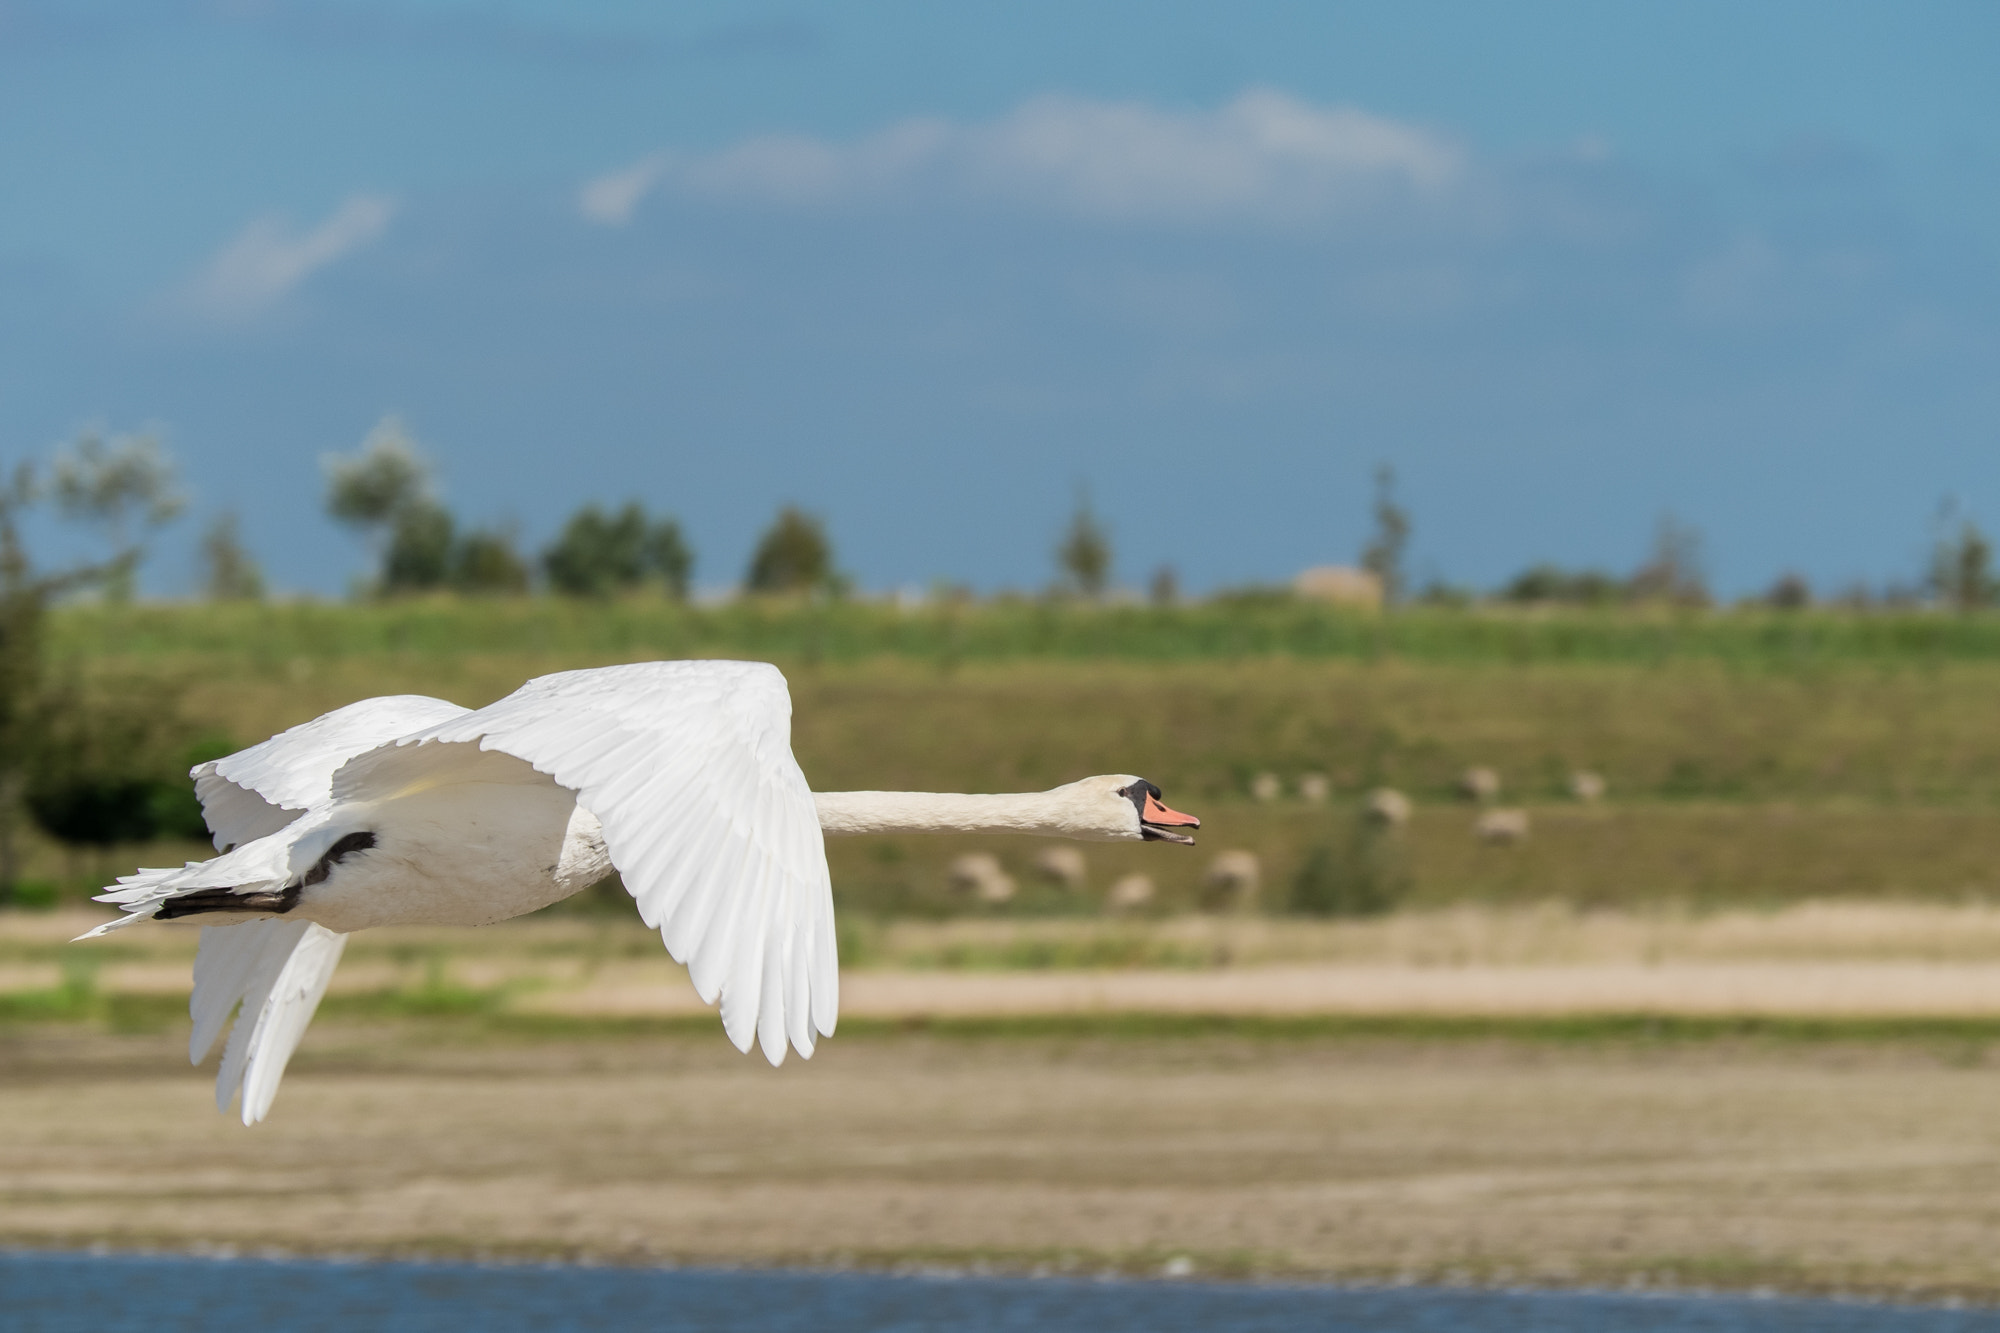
x: 1586, y: 786
x: 1313, y: 787
x: 1061, y: 866
x: 1479, y: 784
x: 1387, y: 806
x: 1502, y: 826
x: 1130, y: 894
x: 1232, y: 881
x: 979, y: 874
x: 1266, y: 787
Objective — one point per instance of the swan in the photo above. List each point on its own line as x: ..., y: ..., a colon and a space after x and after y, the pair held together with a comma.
x: 408, y: 810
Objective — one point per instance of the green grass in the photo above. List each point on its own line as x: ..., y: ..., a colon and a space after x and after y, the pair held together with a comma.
x: 949, y: 634
x: 1752, y: 756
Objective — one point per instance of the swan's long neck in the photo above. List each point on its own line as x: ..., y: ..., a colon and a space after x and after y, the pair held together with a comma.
x: 1052, y: 814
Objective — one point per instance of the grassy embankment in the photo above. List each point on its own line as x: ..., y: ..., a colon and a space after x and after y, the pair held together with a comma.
x: 1752, y: 757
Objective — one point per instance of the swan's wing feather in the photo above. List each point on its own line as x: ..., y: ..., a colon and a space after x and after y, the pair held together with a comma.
x: 688, y: 766
x: 258, y: 791
x: 277, y: 971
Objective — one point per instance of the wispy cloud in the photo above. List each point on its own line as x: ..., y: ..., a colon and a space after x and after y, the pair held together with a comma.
x: 1265, y: 157
x: 610, y: 198
x: 269, y: 258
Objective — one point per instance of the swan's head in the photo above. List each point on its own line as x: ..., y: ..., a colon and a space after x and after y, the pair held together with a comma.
x: 1124, y: 808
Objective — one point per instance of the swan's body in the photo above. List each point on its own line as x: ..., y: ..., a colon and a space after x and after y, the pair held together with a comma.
x: 413, y: 811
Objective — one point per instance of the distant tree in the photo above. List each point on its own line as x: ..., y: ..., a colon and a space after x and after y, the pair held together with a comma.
x: 1961, y: 562
x: 126, y: 485
x: 229, y: 571
x: 1673, y: 572
x: 1084, y: 557
x: 1165, y: 587
x: 597, y: 554
x: 794, y: 555
x: 1552, y: 583
x: 669, y: 556
x: 26, y: 714
x: 421, y: 544
x: 388, y: 475
x: 1383, y: 556
x: 1790, y: 593
x: 385, y: 492
x: 486, y: 563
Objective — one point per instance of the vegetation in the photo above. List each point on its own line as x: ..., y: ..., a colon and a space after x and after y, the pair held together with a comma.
x: 1083, y: 560
x: 793, y: 556
x: 386, y: 491
x: 1383, y: 556
x: 599, y: 555
x: 88, y: 773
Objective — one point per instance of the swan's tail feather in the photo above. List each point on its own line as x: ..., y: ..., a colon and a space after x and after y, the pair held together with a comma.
x: 277, y: 971
x: 255, y: 873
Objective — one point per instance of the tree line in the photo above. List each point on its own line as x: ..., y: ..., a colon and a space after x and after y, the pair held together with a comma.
x: 386, y: 491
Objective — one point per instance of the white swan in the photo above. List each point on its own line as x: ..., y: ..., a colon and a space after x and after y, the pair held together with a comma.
x: 408, y: 810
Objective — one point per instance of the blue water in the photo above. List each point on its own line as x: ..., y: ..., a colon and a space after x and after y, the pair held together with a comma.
x: 42, y: 1293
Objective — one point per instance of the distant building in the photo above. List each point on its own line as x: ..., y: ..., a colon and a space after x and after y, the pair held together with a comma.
x: 1340, y: 585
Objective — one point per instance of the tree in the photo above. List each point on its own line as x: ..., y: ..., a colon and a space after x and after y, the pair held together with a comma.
x: 793, y: 556
x: 1673, y: 572
x: 1791, y: 592
x: 485, y: 563
x: 1383, y: 556
x: 91, y: 488
x: 420, y: 549
x: 229, y: 571
x: 122, y: 483
x: 386, y: 491
x: 597, y: 554
x: 387, y: 476
x: 1962, y: 562
x: 1552, y: 583
x: 1084, y: 557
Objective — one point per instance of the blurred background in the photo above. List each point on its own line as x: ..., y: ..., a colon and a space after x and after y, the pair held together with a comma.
x: 1521, y: 474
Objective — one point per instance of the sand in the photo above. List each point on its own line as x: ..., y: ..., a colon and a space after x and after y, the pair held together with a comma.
x: 1814, y: 1167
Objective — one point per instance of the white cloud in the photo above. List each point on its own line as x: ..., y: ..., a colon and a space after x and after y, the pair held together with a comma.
x: 1264, y: 157
x: 610, y: 198
x: 269, y: 258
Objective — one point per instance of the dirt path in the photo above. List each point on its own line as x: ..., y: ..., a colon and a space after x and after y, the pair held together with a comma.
x: 1830, y: 1166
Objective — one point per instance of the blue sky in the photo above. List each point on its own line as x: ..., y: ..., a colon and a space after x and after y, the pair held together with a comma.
x: 928, y: 269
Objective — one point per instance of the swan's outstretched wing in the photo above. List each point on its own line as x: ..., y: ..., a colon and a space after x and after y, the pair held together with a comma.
x: 257, y: 791
x: 278, y: 971
x: 689, y: 768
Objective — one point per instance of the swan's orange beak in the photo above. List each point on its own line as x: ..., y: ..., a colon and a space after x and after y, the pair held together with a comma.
x: 1155, y: 819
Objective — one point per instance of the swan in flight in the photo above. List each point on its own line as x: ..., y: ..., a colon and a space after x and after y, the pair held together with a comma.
x: 408, y: 810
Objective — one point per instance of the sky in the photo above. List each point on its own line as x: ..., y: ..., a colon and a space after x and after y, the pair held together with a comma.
x: 936, y: 271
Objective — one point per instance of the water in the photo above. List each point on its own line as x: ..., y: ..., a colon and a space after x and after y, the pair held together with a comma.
x: 41, y: 1293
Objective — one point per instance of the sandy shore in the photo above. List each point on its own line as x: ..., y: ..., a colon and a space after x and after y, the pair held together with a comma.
x: 1844, y: 990
x: 1811, y: 1167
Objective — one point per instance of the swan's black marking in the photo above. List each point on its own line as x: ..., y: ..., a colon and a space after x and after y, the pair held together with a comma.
x: 262, y: 902
x: 265, y: 902
x: 353, y: 842
x: 1137, y: 794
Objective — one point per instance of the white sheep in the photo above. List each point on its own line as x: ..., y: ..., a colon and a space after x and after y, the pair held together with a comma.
x: 1502, y: 826
x: 1061, y: 866
x: 1386, y: 805
x: 979, y: 874
x: 1130, y: 894
x: 1479, y: 784
x: 1232, y: 880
